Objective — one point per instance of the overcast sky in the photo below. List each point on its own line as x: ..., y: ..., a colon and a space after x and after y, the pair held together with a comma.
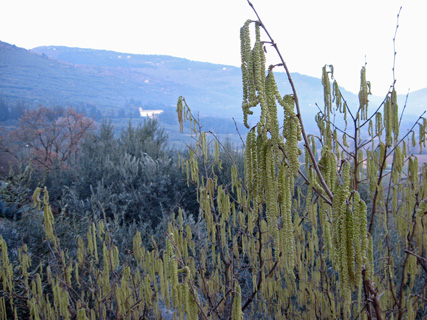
x: 309, y: 33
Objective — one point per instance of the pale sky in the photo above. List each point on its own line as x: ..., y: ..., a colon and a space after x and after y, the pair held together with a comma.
x: 309, y: 33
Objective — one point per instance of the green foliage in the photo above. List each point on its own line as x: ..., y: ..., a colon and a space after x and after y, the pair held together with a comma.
x: 101, y: 269
x: 50, y: 283
x: 132, y: 177
x: 13, y: 192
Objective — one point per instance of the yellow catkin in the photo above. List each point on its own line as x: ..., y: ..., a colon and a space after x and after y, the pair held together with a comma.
x: 81, y: 314
x: 237, y: 313
x: 326, y: 90
x: 172, y: 270
x: 422, y: 135
x: 378, y: 125
x: 3, y: 314
x: 259, y: 74
x: 388, y: 121
x: 363, y: 94
x: 249, y: 97
x: 357, y: 233
x: 6, y: 270
x: 288, y: 227
x: 271, y: 203
x: 179, y: 110
x: 337, y: 95
x: 395, y: 116
x: 48, y: 217
x: 137, y: 247
x: 95, y: 245
x: 36, y: 197
x: 381, y: 153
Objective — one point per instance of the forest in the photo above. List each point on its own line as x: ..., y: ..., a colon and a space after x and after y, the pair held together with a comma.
x: 329, y: 224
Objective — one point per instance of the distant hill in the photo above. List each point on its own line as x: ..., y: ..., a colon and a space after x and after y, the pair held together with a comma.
x: 35, y: 78
x: 66, y: 76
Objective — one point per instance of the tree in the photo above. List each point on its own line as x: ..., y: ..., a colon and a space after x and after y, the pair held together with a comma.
x: 132, y: 176
x: 93, y: 112
x: 4, y: 110
x: 121, y: 113
x: 356, y: 246
x: 48, y: 136
x: 17, y: 111
x: 148, y: 138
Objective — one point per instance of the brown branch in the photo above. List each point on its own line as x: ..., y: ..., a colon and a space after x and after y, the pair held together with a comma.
x: 371, y: 296
x: 319, y: 192
x: 415, y: 255
x: 193, y: 291
x: 297, y: 106
x: 219, y: 303
x: 238, y: 132
x: 251, y: 298
x: 261, y: 265
x: 377, y: 190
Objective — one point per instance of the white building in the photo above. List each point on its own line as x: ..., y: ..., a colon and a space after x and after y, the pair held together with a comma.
x: 150, y: 113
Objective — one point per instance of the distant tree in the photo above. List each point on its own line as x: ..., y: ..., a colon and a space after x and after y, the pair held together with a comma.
x: 148, y: 138
x: 60, y: 111
x: 80, y: 108
x: 121, y: 113
x: 17, y: 111
x: 134, y: 114
x: 93, y: 112
x: 48, y: 136
x: 168, y: 117
x: 129, y: 103
x: 4, y: 110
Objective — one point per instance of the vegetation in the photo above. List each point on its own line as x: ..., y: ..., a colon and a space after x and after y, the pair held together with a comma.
x: 341, y: 235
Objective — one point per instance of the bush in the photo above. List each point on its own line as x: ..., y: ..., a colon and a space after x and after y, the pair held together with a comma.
x: 132, y: 177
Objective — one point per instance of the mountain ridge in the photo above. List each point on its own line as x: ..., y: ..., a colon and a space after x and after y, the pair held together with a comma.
x: 58, y: 75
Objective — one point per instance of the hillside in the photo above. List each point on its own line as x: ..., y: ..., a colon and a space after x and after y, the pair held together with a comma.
x: 62, y: 75
x: 34, y: 78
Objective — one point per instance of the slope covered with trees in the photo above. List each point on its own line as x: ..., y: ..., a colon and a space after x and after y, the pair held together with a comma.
x: 75, y: 76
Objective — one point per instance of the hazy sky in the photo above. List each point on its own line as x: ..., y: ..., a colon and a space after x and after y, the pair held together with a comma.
x: 309, y: 33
